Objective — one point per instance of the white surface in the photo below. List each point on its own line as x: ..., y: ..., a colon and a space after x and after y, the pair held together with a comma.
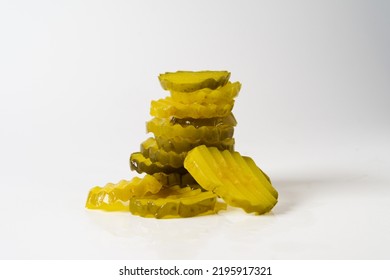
x: 76, y: 82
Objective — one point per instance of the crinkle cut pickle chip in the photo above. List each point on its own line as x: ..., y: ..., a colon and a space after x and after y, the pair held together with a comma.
x: 167, y: 107
x: 223, y: 94
x: 180, y: 144
x: 163, y: 127
x: 188, y: 81
x: 115, y: 197
x: 176, y: 202
x: 235, y: 178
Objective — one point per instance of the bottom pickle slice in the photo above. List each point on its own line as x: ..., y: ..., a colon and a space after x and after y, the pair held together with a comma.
x: 229, y: 175
x: 176, y: 202
x: 115, y: 197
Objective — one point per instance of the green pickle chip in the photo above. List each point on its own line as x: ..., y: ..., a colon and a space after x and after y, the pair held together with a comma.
x: 176, y: 202
x: 234, y: 178
x: 188, y: 81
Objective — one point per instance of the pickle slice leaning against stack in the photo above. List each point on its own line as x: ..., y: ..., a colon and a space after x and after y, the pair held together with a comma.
x: 235, y: 178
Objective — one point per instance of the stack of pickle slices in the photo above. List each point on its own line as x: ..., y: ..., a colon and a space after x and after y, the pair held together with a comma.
x: 190, y: 163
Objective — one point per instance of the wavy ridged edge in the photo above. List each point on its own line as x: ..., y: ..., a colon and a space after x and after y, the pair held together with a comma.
x: 115, y: 197
x: 180, y: 144
x: 150, y: 149
x: 177, y: 203
x: 222, y: 94
x: 162, y: 127
x: 226, y: 173
x: 213, y: 81
x: 141, y: 164
x: 165, y: 108
x: 229, y: 120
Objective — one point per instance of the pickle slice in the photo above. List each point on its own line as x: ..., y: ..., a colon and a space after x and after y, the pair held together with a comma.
x: 255, y: 169
x: 175, y: 179
x: 229, y: 120
x: 163, y: 127
x: 167, y: 107
x: 230, y: 176
x: 222, y: 94
x: 150, y: 149
x: 176, y: 202
x: 180, y: 144
x: 188, y: 81
x: 141, y: 164
x: 115, y: 197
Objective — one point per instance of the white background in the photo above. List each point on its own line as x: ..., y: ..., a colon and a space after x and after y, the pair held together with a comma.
x: 76, y: 81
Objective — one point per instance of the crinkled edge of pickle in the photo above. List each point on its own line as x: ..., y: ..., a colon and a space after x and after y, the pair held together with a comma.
x: 165, y: 108
x: 228, y: 175
x: 162, y: 127
x: 150, y: 149
x: 141, y: 164
x: 222, y: 94
x: 176, y: 202
x: 180, y: 144
x: 168, y: 80
x: 115, y: 197
x: 217, y: 121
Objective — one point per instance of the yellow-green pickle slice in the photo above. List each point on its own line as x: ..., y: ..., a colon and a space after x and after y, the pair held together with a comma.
x: 142, y: 164
x: 188, y: 81
x: 229, y: 120
x: 115, y: 197
x: 150, y: 149
x: 167, y: 107
x: 224, y: 94
x: 176, y: 202
x: 180, y: 144
x: 236, y: 179
x: 164, y: 127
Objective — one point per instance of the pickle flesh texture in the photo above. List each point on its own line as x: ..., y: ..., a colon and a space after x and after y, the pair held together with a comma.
x: 167, y: 107
x: 180, y: 144
x: 115, y: 197
x: 188, y: 81
x: 142, y: 164
x: 163, y: 127
x: 175, y: 202
x: 222, y: 94
x: 228, y: 175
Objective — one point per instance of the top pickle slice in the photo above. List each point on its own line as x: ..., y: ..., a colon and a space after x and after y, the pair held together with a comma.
x: 142, y: 164
x: 222, y: 94
x: 230, y: 176
x: 187, y: 81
